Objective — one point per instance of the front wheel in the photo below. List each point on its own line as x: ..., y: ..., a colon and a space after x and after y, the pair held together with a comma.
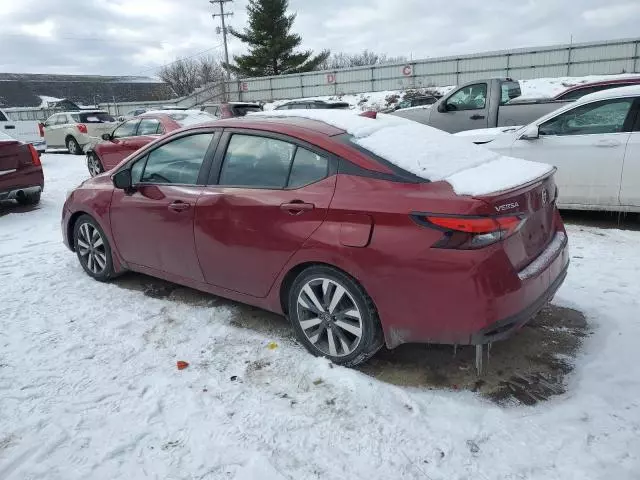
x: 94, y: 165
x: 92, y: 248
x: 333, y: 316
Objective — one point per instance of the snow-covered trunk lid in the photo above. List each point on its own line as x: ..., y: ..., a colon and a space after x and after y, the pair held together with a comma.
x: 535, y: 203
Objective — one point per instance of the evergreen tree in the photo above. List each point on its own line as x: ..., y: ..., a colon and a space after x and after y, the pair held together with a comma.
x: 271, y: 44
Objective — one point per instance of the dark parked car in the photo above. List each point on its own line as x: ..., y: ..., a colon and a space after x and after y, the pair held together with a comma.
x: 133, y: 134
x: 21, y: 176
x: 294, y: 216
x: 231, y: 109
x: 305, y: 104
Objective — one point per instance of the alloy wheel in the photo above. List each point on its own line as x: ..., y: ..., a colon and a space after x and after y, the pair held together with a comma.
x: 94, y: 165
x: 73, y: 147
x: 329, y: 317
x: 91, y: 248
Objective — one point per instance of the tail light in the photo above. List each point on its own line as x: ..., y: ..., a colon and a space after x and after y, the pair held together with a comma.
x: 82, y: 128
x: 465, y: 233
x: 35, y: 158
x: 41, y: 128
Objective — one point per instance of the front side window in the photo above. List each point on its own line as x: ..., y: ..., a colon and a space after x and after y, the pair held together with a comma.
x: 254, y: 161
x: 176, y: 162
x: 473, y: 97
x: 127, y: 129
x: 607, y: 116
x: 148, y: 126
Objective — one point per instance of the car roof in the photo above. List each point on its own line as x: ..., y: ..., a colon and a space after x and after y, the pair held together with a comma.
x: 628, y: 91
x: 276, y: 124
x: 599, y: 83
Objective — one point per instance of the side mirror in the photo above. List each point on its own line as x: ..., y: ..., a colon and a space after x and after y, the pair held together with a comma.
x: 442, y: 107
x: 106, y: 136
x: 121, y: 118
x: 532, y: 132
x: 122, y: 180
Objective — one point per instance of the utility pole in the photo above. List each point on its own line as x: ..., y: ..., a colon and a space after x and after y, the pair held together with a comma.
x: 222, y: 16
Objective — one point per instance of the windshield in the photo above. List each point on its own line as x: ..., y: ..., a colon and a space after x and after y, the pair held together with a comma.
x: 93, y: 117
x: 191, y: 118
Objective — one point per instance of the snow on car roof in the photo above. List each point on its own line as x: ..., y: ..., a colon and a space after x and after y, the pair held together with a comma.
x: 427, y: 152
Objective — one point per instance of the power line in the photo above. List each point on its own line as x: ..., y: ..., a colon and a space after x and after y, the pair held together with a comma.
x: 222, y: 16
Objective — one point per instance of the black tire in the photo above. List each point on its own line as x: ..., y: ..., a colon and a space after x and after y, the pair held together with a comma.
x: 354, y: 350
x: 95, y: 259
x: 94, y: 165
x: 29, y: 199
x: 73, y: 146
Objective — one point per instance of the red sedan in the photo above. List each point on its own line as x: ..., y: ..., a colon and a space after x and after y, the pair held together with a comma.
x: 21, y: 176
x: 301, y: 217
x: 134, y: 134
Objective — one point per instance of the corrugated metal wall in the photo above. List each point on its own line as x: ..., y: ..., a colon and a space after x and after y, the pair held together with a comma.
x: 595, y: 58
x: 610, y: 57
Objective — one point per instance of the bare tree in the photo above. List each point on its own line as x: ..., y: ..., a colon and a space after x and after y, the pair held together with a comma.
x: 187, y: 74
x: 346, y: 60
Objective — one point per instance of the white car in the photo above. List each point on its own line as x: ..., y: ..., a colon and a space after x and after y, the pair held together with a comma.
x: 74, y: 130
x: 594, y: 143
x: 27, y: 131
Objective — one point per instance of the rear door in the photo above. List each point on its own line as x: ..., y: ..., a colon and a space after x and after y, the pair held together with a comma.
x: 466, y: 109
x: 271, y: 194
x: 587, y: 144
x: 153, y: 226
x: 630, y: 189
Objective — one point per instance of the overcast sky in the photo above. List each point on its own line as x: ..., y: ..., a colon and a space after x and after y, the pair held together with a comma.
x: 134, y: 37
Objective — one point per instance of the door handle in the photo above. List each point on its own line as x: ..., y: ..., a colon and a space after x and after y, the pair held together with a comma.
x: 179, y: 206
x: 477, y: 117
x: 607, y: 143
x: 9, y: 127
x: 297, y: 207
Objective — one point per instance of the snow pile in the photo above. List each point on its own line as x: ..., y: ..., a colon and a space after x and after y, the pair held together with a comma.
x: 89, y: 387
x: 46, y: 100
x: 428, y: 152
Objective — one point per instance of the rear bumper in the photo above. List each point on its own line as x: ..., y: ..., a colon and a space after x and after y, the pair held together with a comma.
x: 15, y: 193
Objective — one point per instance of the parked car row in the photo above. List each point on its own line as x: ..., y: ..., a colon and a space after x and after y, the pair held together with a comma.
x: 594, y: 143
x: 497, y: 102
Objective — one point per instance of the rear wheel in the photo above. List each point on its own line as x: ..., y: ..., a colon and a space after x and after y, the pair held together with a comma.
x: 94, y: 164
x: 333, y: 316
x: 93, y: 249
x: 73, y: 146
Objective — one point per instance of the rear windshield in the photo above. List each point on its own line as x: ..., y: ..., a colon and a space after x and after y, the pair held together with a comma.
x: 341, y: 105
x: 191, y: 118
x: 92, y: 117
x: 242, y: 110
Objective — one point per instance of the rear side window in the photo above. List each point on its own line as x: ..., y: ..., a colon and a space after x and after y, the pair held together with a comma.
x: 254, y: 161
x: 581, y: 92
x: 509, y: 91
x: 176, y: 162
x: 148, y: 126
x: 308, y: 167
x: 96, y: 117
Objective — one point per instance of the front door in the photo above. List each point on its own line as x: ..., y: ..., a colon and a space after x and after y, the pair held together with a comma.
x: 465, y: 109
x: 113, y: 151
x: 587, y: 144
x: 54, y: 129
x: 270, y: 198
x: 153, y: 226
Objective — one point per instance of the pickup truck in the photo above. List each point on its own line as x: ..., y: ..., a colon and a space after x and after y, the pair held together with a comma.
x: 25, y: 131
x: 481, y: 104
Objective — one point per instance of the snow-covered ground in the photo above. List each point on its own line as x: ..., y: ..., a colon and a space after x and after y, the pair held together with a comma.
x: 536, y: 88
x: 89, y: 387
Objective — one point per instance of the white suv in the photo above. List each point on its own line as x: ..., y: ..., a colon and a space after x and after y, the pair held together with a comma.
x: 74, y: 130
